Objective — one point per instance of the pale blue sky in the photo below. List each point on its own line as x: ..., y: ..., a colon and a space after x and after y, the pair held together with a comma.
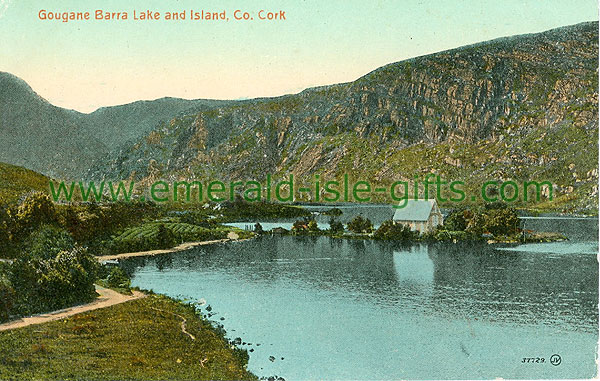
x: 86, y: 65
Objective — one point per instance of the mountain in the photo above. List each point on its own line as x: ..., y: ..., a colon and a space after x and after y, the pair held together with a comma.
x: 63, y: 143
x: 36, y: 134
x: 520, y: 108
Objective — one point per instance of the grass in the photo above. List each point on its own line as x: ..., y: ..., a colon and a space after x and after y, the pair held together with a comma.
x: 16, y: 181
x: 137, y: 340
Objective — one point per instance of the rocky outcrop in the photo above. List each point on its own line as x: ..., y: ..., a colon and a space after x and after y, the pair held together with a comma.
x: 509, y: 108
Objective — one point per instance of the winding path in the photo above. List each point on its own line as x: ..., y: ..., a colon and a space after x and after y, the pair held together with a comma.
x: 183, y: 322
x: 107, y: 298
x: 184, y: 246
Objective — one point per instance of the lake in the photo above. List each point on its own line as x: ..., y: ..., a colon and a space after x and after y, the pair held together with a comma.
x: 333, y: 309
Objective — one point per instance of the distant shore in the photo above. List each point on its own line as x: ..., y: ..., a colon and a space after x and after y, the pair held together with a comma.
x: 232, y: 236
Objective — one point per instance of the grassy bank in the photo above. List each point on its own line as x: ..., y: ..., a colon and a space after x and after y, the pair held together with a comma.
x: 142, y: 339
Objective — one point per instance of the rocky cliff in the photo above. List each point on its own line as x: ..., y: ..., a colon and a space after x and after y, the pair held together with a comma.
x: 519, y: 108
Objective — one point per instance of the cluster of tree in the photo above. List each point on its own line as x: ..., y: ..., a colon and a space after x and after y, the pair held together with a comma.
x: 334, y: 212
x: 496, y: 218
x: 88, y: 224
x: 52, y: 272
x: 397, y: 232
x: 305, y: 225
x: 360, y: 225
x: 240, y: 209
x: 50, y: 268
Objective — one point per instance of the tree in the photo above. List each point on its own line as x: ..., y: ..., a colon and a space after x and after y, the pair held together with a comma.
x: 165, y: 237
x: 393, y: 231
x: 476, y: 224
x: 312, y: 226
x: 457, y: 220
x: 360, y: 225
x: 299, y: 226
x: 335, y: 226
x: 117, y: 278
x: 36, y: 209
x: 502, y: 221
x: 336, y: 212
x: 58, y: 282
x: 47, y: 241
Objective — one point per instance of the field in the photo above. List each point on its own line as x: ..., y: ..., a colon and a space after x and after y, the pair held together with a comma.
x: 141, y: 339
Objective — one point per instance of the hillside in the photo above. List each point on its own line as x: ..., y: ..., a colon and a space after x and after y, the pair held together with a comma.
x: 521, y: 108
x: 17, y: 181
x: 63, y: 143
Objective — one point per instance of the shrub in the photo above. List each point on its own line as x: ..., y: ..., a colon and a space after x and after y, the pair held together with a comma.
x: 312, y: 226
x: 502, y: 221
x: 336, y: 212
x: 392, y: 231
x: 457, y: 220
x: 165, y: 237
x: 360, y: 225
x: 335, y: 226
x: 300, y: 226
x: 117, y: 278
x: 36, y: 209
x: 48, y: 284
x: 447, y: 235
x: 47, y: 241
x: 7, y: 298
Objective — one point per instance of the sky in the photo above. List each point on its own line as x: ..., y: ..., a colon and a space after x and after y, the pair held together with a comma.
x: 84, y: 65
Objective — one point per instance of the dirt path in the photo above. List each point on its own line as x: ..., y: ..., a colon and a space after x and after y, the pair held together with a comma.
x: 183, y: 322
x: 107, y: 298
x: 182, y: 247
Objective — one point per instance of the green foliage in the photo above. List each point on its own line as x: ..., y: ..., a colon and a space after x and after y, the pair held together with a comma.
x: 146, y: 237
x: 240, y: 210
x: 300, y: 226
x: 457, y: 220
x: 335, y: 226
x: 454, y: 236
x: 476, y: 224
x: 165, y: 237
x: 7, y: 298
x: 393, y: 231
x: 335, y: 212
x: 313, y: 226
x: 117, y: 278
x: 54, y: 283
x: 16, y: 181
x: 360, y: 225
x: 36, y: 209
x: 496, y: 218
x: 47, y: 241
x: 90, y: 223
x: 502, y: 220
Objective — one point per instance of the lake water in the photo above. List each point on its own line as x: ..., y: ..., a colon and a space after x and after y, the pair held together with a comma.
x: 335, y: 309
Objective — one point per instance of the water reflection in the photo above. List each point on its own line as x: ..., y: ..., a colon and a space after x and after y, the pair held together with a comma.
x: 321, y: 303
x: 516, y: 286
x: 451, y: 280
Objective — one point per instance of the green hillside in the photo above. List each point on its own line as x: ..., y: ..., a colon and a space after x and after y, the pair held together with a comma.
x: 16, y: 181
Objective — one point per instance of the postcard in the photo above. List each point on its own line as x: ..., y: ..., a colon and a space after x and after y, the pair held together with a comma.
x: 298, y: 190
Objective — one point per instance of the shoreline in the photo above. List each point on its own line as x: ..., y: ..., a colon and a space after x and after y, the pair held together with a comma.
x: 106, y: 298
x: 181, y: 247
